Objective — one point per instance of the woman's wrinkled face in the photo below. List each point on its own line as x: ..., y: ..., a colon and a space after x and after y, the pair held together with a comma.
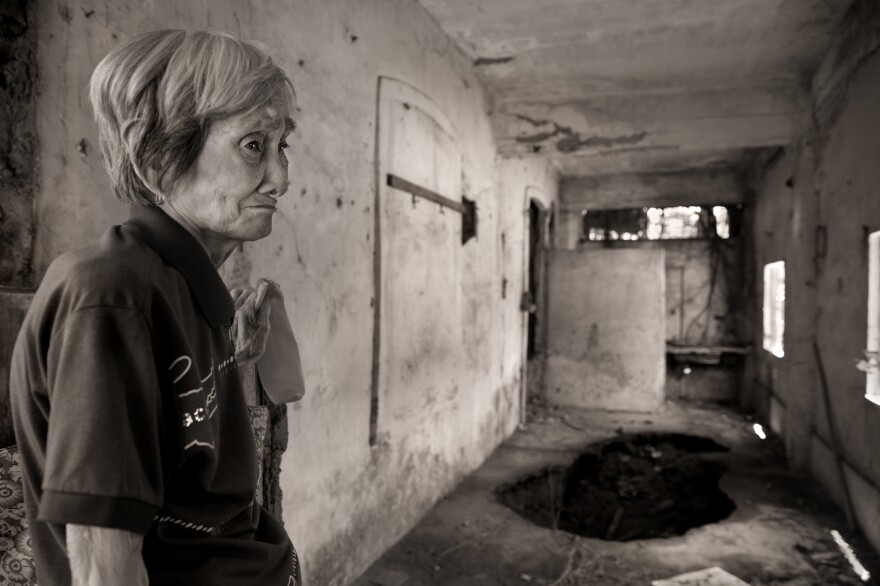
x: 230, y: 192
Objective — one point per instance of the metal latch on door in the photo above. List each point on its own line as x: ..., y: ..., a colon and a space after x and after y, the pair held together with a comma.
x: 466, y: 207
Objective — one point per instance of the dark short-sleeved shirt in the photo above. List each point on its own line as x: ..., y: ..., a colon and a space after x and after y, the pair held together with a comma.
x: 129, y: 412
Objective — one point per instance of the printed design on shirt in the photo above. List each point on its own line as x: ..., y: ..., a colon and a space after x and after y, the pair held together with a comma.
x: 294, y: 566
x: 196, y: 404
x: 211, y: 399
x: 163, y: 517
x: 182, y: 523
x: 229, y: 364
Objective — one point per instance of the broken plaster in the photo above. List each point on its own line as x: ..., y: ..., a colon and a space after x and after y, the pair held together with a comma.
x: 572, y: 140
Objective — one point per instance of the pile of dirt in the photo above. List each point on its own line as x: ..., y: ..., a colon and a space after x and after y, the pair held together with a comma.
x: 632, y: 487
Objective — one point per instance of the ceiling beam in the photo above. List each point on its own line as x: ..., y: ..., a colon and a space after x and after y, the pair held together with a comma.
x: 659, y: 160
x: 706, y: 186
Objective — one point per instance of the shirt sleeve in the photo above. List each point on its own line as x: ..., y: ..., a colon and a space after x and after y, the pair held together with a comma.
x: 103, y: 451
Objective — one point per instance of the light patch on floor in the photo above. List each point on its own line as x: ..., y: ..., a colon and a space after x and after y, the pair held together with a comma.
x: 708, y: 577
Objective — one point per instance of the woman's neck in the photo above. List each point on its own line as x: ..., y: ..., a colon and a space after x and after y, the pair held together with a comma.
x: 218, y: 249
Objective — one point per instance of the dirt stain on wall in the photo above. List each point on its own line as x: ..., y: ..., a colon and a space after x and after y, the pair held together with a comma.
x: 18, y: 142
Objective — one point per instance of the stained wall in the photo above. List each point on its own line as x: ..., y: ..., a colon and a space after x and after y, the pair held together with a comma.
x: 606, y: 329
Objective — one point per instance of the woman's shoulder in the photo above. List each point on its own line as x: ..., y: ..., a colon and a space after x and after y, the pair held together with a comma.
x: 117, y: 270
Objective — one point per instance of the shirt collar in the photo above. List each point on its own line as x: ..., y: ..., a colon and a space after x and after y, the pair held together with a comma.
x: 178, y: 248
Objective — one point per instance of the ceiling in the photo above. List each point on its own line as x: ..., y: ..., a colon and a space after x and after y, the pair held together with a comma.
x: 613, y: 86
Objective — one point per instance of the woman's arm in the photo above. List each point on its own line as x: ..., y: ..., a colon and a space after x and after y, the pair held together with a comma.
x: 99, y: 555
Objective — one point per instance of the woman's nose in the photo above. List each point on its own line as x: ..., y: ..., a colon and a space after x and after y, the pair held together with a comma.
x: 275, y: 181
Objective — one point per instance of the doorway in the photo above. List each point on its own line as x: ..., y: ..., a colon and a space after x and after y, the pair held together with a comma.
x: 534, y: 299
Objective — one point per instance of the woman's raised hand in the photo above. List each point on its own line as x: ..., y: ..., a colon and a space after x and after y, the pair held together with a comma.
x: 251, y: 324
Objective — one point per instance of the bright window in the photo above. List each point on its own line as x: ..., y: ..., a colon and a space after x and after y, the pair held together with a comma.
x: 672, y: 223
x: 774, y: 307
x: 871, y: 352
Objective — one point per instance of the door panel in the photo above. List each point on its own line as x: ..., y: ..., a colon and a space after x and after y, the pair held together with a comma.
x: 420, y: 354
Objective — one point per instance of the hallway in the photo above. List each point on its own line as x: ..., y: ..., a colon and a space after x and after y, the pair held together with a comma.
x: 779, y: 533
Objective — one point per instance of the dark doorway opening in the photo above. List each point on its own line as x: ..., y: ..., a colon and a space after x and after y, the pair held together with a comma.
x: 534, y: 301
x: 537, y: 218
x: 632, y: 487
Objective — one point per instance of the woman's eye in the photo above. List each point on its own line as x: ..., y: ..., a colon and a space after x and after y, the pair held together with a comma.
x: 254, y: 146
x: 282, y: 145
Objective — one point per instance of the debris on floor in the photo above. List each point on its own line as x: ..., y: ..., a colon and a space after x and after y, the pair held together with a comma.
x: 714, y: 576
x: 638, y: 486
x: 780, y: 533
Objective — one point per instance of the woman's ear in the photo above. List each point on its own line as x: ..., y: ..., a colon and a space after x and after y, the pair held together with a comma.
x: 132, y: 133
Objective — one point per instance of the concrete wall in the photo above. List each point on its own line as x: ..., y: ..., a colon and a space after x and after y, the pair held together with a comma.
x: 607, y: 329
x: 783, y: 223
x: 815, y: 206
x: 694, y: 187
x: 700, y: 309
x: 338, y: 490
x: 704, y: 302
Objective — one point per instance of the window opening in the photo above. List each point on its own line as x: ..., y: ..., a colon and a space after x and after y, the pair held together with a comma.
x: 774, y: 307
x: 671, y: 223
x: 871, y: 364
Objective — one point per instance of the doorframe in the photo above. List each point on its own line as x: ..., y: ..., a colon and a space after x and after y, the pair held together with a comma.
x: 531, y: 194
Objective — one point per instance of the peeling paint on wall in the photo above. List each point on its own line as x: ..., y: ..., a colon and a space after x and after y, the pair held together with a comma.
x: 571, y: 140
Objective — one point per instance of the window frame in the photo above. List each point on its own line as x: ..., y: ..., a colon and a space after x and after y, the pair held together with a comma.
x: 773, y: 308
x: 722, y: 231
x: 872, y: 383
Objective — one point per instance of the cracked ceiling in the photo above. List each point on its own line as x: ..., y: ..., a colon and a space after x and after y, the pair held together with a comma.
x: 605, y: 86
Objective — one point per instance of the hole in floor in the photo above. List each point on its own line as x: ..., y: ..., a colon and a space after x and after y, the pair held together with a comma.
x: 639, y: 486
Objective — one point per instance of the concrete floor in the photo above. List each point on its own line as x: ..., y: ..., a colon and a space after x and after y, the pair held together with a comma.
x: 778, y: 535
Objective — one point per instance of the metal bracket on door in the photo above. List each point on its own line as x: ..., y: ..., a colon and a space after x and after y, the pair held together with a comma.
x: 466, y: 207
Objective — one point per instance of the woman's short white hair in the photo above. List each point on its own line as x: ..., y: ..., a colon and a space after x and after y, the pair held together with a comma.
x: 156, y: 95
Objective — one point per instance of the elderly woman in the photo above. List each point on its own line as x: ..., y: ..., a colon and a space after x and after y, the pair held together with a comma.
x: 138, y: 459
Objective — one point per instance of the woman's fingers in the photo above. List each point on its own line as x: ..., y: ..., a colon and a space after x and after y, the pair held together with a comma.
x: 262, y: 288
x: 263, y: 314
x: 252, y: 316
x: 240, y: 294
x: 251, y: 325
